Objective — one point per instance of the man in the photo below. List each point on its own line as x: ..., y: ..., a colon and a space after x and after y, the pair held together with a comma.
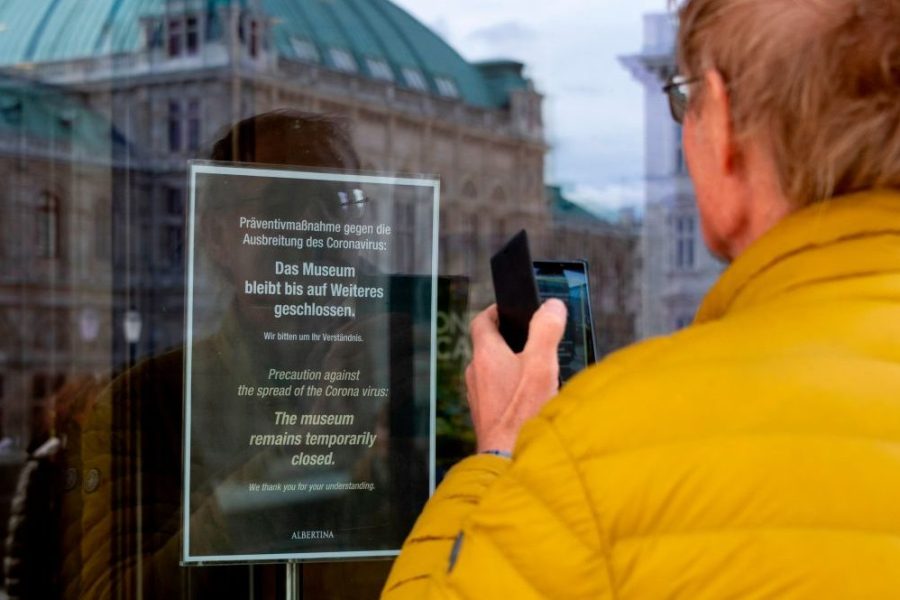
x: 757, y: 453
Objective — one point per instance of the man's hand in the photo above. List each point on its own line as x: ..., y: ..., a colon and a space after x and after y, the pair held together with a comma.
x: 507, y: 389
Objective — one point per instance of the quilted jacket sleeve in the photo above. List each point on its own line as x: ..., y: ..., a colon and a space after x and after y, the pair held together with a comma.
x: 520, y: 529
x: 498, y: 529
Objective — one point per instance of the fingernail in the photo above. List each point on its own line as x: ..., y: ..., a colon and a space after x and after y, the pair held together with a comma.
x: 556, y: 308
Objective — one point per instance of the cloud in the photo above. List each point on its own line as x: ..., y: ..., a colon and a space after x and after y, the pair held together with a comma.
x: 441, y: 26
x: 602, y: 199
x: 582, y: 89
x: 594, y: 109
x: 502, y: 34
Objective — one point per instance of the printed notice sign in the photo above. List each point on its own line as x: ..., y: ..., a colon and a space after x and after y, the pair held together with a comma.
x: 309, y: 363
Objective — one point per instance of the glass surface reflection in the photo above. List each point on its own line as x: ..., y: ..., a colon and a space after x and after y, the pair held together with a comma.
x: 101, y: 108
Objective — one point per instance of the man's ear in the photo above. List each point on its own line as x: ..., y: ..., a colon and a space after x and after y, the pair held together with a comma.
x: 725, y: 205
x: 717, y: 123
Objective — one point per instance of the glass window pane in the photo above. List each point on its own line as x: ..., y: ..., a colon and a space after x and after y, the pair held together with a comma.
x: 379, y: 69
x: 192, y: 36
x: 102, y: 113
x: 447, y: 87
x: 175, y: 37
x: 253, y: 45
x: 175, y: 125
x: 194, y: 122
x: 343, y: 60
x: 305, y: 50
x: 414, y: 79
x: 48, y: 226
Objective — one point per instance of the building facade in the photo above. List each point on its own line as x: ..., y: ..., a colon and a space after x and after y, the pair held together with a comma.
x: 676, y: 268
x: 610, y: 246
x: 102, y: 105
x: 133, y: 89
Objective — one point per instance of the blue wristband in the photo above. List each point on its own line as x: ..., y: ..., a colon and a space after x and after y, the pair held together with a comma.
x: 500, y: 453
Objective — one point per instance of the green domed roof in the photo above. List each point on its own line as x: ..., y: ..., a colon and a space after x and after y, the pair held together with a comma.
x: 376, y: 33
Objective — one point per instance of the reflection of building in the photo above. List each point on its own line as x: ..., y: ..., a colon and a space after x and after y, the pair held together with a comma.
x: 610, y: 249
x: 56, y: 253
x: 677, y: 269
x: 106, y: 230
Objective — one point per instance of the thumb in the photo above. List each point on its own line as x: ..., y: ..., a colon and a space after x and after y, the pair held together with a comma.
x: 547, y: 328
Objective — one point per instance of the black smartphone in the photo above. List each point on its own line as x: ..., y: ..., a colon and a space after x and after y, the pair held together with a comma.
x: 568, y: 281
x: 516, y: 290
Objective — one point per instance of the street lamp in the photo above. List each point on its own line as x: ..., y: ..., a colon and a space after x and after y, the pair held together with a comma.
x: 132, y: 325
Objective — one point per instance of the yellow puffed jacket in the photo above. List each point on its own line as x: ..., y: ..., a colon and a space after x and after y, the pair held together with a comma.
x: 755, y: 454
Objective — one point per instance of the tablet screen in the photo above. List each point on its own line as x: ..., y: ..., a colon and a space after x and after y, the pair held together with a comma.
x: 568, y: 281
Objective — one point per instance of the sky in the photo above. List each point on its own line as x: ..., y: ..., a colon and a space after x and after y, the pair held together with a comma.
x: 593, y: 108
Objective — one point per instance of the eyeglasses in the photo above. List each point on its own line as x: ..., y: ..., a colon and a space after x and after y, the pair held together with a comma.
x: 678, y: 91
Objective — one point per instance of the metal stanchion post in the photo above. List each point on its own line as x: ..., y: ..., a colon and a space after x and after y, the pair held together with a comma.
x: 294, y: 581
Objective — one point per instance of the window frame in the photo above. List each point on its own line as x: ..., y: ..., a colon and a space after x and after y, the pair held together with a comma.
x: 415, y: 79
x: 47, y: 226
x: 309, y: 53
x: 343, y: 60
x: 380, y: 69
x: 685, y: 237
x: 174, y: 37
x: 447, y: 87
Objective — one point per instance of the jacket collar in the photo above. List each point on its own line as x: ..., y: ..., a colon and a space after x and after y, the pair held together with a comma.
x: 841, y: 238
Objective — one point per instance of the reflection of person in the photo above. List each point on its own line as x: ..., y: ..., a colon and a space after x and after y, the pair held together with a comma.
x: 754, y: 454
x: 132, y: 443
x: 223, y: 464
x: 45, y: 515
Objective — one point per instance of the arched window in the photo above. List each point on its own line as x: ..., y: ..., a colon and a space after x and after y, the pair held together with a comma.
x: 469, y: 190
x: 500, y: 230
x: 498, y: 196
x: 185, y: 116
x: 102, y: 229
x: 47, y: 233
